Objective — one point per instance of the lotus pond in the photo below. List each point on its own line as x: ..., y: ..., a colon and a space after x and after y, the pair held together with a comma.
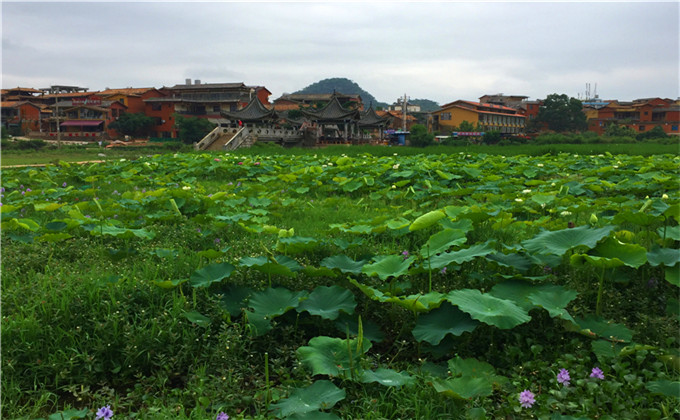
x: 302, y: 286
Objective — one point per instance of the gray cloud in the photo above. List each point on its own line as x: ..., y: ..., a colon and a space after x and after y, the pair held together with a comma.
x: 439, y: 51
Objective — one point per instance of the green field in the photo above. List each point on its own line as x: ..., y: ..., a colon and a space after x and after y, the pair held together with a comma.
x: 344, y: 283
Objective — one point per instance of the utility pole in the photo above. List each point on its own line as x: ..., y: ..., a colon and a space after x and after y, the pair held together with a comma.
x: 58, y: 125
x: 403, y: 112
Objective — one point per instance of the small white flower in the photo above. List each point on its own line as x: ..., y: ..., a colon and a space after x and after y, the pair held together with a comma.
x: 553, y: 184
x: 395, y: 154
x: 527, y: 191
x: 147, y: 163
x: 615, y: 166
x: 565, y: 213
x: 123, y: 160
x: 186, y: 187
x: 394, y: 187
x: 324, y: 166
x: 664, y: 197
x: 330, y: 163
x: 395, y: 166
x: 540, y: 165
x: 519, y: 200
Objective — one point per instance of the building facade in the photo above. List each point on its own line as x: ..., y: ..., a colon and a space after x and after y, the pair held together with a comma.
x: 484, y: 116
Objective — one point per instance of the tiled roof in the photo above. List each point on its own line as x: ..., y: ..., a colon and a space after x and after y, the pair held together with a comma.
x: 210, y: 86
x: 125, y: 91
x: 333, y: 111
x: 370, y: 118
x: 254, y: 111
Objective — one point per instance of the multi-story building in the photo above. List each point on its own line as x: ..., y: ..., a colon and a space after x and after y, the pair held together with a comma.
x: 510, y: 101
x: 487, y: 117
x: 641, y: 115
x: 20, y: 117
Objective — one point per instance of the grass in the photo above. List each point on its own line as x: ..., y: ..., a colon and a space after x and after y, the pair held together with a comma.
x: 94, y: 320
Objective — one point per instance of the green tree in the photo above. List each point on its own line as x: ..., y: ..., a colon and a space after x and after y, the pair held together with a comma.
x: 492, y: 137
x: 561, y: 113
x: 192, y: 129
x: 655, y: 133
x: 133, y: 124
x: 419, y: 136
x: 615, y: 130
x: 466, y: 126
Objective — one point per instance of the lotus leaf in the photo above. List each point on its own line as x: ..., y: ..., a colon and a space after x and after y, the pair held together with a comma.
x: 169, y: 284
x: 331, y: 356
x: 631, y: 255
x: 464, y: 387
x: 442, y: 241
x: 53, y: 237
x: 314, y: 415
x: 327, y: 302
x: 197, y: 318
x: 664, y: 256
x: 554, y: 299
x: 461, y: 256
x: 491, y: 310
x: 388, y: 266
x: 321, y: 394
x: 273, y: 302
x: 664, y: 387
x: 672, y: 275
x: 69, y: 414
x: 427, y: 220
x: 447, y: 319
x: 606, y: 350
x: 513, y: 260
x: 296, y: 245
x: 343, y: 263
x: 560, y: 241
x: 210, y: 274
x: 387, y: 377
x: 605, y: 329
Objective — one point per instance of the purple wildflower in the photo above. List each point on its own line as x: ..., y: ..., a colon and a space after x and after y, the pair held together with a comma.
x: 563, y: 377
x: 597, y: 373
x: 2, y: 189
x: 28, y: 190
x: 217, y: 240
x: 104, y: 413
x: 443, y: 270
x: 222, y: 416
x: 64, y: 185
x: 652, y: 283
x: 526, y: 398
x: 405, y: 254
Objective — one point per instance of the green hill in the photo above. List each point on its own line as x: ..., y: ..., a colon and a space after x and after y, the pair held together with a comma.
x: 342, y: 85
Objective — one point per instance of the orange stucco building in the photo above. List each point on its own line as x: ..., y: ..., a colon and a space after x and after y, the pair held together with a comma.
x: 641, y: 115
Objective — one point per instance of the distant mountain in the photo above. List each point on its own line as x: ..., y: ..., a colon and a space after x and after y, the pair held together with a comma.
x: 426, y: 105
x: 345, y: 86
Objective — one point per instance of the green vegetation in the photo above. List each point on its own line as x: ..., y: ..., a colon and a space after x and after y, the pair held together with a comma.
x: 133, y: 124
x: 337, y: 283
x: 193, y: 129
x: 561, y: 113
x: 344, y: 86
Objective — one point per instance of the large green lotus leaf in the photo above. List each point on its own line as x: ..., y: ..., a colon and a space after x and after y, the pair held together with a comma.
x: 371, y: 292
x: 258, y: 323
x: 490, y: 310
x: 388, y: 266
x: 398, y: 223
x: 319, y: 272
x: 280, y: 265
x: 427, y: 220
x: 314, y: 415
x: 558, y: 242
x: 474, y: 368
x: 169, y: 284
x: 599, y: 262
x: 327, y: 302
x: 664, y: 387
x: 461, y: 256
x: 273, y: 302
x: 53, y: 237
x: 69, y: 414
x: 554, y: 299
x: 631, y: 255
x: 123, y: 232
x: 210, y: 274
x: 543, y: 199
x: 331, y: 356
x: 636, y: 218
x: 517, y: 291
x: 387, y: 377
x: 663, y: 256
x: 669, y: 232
x: 605, y: 329
x: 443, y: 240
x: 464, y: 387
x: 513, y: 260
x: 320, y: 395
x: 197, y: 318
x: 343, y: 263
x: 672, y: 275
x: 234, y: 299
x: 447, y: 319
x: 420, y: 302
x: 606, y: 350
x: 296, y: 245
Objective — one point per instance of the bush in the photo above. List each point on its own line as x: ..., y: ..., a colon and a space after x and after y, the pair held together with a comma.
x: 23, y: 144
x: 420, y: 137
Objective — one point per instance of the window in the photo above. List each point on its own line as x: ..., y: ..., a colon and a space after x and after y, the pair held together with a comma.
x: 674, y: 128
x: 216, y: 108
x: 155, y: 106
x: 642, y: 128
x: 446, y: 116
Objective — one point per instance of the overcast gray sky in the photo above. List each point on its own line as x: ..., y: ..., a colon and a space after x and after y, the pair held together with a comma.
x: 441, y: 51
